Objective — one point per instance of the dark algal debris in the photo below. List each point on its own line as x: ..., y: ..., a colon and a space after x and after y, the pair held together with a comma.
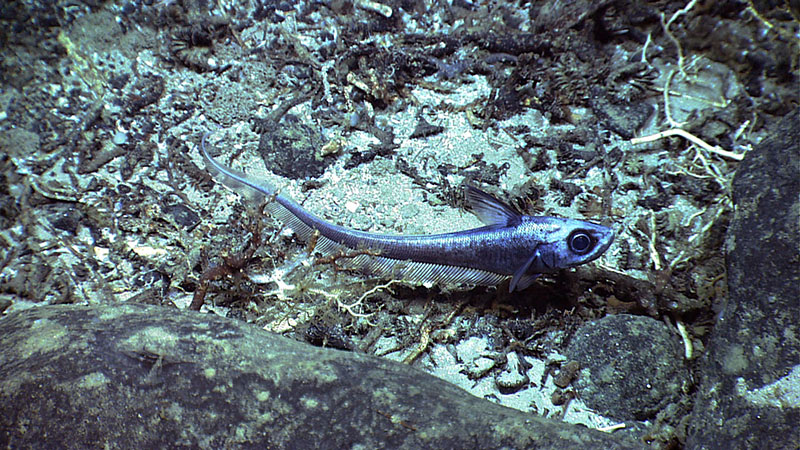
x: 182, y: 215
x: 570, y: 191
x: 292, y: 150
x: 425, y: 129
x: 620, y: 116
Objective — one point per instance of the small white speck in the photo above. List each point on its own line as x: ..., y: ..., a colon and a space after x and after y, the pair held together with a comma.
x: 351, y: 206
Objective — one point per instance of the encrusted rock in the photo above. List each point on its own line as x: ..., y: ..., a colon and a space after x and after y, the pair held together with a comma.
x: 135, y: 376
x: 632, y: 366
x: 748, y: 395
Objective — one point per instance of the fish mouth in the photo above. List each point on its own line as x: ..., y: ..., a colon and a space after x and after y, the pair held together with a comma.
x: 604, y: 241
x: 605, y: 237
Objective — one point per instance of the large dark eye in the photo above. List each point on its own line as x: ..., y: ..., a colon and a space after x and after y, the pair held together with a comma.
x: 580, y: 242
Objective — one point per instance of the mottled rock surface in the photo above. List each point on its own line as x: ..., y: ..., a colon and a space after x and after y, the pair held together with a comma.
x: 134, y: 376
x: 749, y: 393
x: 631, y: 366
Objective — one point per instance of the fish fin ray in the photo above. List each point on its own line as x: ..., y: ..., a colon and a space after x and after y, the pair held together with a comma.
x: 490, y: 210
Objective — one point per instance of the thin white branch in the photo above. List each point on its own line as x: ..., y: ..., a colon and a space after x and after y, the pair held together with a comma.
x: 689, y: 136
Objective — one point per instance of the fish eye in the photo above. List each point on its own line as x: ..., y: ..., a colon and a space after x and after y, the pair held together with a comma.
x: 580, y: 242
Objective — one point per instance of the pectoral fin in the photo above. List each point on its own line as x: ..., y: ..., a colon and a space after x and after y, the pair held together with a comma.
x: 525, y: 281
x: 520, y: 280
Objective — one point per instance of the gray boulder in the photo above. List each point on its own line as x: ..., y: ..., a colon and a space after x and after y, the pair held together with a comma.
x: 632, y: 366
x: 135, y: 376
x: 750, y: 393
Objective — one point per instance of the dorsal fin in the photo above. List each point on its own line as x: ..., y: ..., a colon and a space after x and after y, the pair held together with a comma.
x: 490, y: 210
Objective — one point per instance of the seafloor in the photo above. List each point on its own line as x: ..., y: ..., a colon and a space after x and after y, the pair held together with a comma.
x: 374, y: 115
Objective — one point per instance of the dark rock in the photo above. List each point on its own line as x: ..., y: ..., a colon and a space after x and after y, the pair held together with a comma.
x: 291, y: 149
x: 632, y: 366
x: 748, y: 396
x: 64, y: 216
x: 425, y: 129
x: 620, y: 116
x: 567, y: 373
x: 182, y: 215
x: 134, y: 376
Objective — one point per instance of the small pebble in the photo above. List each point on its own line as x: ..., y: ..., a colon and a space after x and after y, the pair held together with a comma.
x: 120, y: 137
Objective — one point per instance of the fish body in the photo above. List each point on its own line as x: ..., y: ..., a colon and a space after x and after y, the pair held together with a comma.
x: 509, y: 245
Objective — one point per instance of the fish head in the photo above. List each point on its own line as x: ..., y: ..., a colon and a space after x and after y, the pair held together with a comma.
x: 568, y: 243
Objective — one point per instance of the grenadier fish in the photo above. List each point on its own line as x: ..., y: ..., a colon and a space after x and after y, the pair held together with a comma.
x: 509, y: 245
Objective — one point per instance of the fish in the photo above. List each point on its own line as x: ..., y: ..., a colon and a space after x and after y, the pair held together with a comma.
x: 510, y: 245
